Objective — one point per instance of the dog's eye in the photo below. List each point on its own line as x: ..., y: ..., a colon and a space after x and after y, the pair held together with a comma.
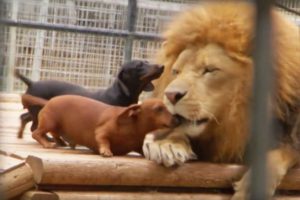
x: 159, y: 108
x: 140, y: 65
x: 210, y: 69
x: 175, y: 72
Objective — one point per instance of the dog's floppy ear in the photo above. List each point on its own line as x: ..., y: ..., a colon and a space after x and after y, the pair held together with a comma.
x: 124, y: 88
x: 129, y: 114
x: 149, y: 87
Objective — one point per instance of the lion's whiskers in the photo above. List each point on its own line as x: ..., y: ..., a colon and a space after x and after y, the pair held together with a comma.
x: 199, y: 108
x: 209, y: 113
x: 195, y: 113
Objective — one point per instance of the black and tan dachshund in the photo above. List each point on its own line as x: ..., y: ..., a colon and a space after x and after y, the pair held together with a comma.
x: 134, y: 77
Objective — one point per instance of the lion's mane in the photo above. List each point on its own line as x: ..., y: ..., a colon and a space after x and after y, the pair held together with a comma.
x: 230, y: 25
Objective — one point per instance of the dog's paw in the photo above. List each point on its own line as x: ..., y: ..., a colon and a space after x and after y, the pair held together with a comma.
x: 167, y: 151
x: 72, y: 145
x: 105, y: 152
x: 50, y: 145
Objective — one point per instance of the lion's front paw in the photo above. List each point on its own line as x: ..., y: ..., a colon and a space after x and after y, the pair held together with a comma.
x: 167, y: 151
x: 241, y: 188
x: 239, y: 196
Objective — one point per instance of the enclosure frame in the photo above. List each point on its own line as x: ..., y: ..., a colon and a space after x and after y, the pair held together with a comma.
x: 260, y: 126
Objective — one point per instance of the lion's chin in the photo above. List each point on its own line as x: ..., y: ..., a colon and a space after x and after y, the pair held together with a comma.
x: 195, y: 122
x: 193, y: 128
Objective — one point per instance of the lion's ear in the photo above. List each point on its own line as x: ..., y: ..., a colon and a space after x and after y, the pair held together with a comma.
x: 183, y: 58
x: 164, y: 44
x: 240, y: 58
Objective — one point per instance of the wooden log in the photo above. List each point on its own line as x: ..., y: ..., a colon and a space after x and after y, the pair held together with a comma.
x: 16, y: 180
x: 94, y: 170
x: 129, y: 171
x: 39, y: 195
x: 117, y: 195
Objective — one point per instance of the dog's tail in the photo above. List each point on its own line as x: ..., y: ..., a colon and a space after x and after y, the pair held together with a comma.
x: 29, y: 100
x: 26, y: 80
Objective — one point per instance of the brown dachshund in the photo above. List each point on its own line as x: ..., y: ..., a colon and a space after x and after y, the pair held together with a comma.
x: 103, y: 128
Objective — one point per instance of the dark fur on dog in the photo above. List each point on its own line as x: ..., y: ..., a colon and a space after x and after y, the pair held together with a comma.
x: 104, y: 128
x: 134, y: 77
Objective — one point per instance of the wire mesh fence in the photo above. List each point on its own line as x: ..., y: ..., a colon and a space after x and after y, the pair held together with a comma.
x: 291, y: 5
x: 91, y: 60
x: 88, y: 60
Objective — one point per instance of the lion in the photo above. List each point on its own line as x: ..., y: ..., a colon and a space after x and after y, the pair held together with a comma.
x: 208, y: 77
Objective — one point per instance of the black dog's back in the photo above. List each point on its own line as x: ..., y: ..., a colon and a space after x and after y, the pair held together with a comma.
x: 50, y: 88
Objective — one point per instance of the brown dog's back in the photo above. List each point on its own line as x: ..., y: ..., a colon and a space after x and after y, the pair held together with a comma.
x: 77, y: 116
x: 103, y: 128
x: 71, y: 115
x: 28, y: 100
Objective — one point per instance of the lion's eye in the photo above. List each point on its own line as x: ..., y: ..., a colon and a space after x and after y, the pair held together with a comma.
x: 210, y: 70
x: 175, y: 72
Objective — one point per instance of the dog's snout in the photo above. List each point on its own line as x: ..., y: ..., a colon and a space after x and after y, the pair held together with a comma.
x: 175, y: 121
x: 159, y: 68
x: 174, y: 97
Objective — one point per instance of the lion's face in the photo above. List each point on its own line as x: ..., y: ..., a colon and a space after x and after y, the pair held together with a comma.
x: 206, y: 82
x: 209, y: 49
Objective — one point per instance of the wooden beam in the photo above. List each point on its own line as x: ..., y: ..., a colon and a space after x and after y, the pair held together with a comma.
x: 16, y: 180
x: 114, y: 195
x: 117, y: 195
x: 39, y: 195
x: 129, y: 171
x: 94, y: 170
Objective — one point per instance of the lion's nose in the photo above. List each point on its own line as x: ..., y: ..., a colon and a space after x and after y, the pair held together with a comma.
x: 174, y: 97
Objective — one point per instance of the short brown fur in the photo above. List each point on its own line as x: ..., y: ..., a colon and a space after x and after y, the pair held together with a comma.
x: 103, y: 128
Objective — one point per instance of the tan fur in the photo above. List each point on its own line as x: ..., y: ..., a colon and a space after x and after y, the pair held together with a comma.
x: 279, y: 162
x: 226, y: 31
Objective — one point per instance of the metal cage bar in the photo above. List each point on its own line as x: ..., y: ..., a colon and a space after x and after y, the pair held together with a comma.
x: 131, y: 21
x: 84, y: 30
x: 262, y: 89
x: 260, y: 126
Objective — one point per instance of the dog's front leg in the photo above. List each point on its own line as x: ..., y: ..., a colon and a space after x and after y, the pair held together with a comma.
x: 104, y: 147
x: 24, y: 118
x: 279, y: 161
x: 103, y: 143
x: 39, y: 135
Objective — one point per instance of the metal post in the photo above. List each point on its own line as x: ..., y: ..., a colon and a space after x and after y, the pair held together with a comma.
x: 12, y: 49
x: 131, y: 19
x: 83, y: 30
x: 2, y: 54
x: 39, y: 43
x: 262, y: 91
